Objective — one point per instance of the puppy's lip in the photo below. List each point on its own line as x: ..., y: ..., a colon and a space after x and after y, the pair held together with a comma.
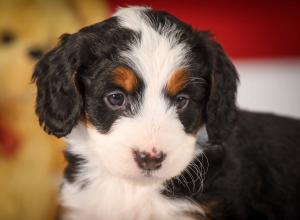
x: 148, y: 173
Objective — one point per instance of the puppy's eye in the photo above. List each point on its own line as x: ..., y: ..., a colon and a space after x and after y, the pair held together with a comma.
x: 115, y: 100
x: 181, y: 101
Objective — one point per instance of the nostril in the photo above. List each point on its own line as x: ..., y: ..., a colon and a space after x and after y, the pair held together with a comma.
x: 159, y: 157
x: 140, y: 157
x: 148, y: 161
x: 143, y: 155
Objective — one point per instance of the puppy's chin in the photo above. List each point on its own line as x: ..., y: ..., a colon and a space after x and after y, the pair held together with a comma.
x: 145, y: 180
x: 140, y: 177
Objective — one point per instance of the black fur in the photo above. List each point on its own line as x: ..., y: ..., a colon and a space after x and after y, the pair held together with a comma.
x: 221, y: 108
x: 252, y: 175
x: 252, y: 160
x: 74, y: 165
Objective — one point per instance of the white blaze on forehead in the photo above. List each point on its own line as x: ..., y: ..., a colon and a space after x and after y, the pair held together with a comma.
x: 130, y: 17
x: 156, y: 56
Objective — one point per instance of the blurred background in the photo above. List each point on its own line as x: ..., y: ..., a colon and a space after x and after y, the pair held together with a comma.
x: 262, y: 38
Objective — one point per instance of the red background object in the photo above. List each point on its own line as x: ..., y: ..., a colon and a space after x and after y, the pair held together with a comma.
x: 246, y: 29
x: 9, y: 141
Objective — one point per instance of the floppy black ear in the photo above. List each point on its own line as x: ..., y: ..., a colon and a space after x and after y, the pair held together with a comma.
x: 221, y: 106
x: 59, y: 102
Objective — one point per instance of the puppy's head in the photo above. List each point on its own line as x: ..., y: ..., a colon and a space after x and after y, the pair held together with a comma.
x: 131, y: 93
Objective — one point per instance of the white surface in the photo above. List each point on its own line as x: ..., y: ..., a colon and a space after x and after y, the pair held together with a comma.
x: 270, y: 86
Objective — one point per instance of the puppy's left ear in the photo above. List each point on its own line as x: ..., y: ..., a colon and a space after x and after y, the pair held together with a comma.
x: 221, y: 109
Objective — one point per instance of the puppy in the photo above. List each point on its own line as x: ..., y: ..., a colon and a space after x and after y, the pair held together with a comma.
x: 147, y: 107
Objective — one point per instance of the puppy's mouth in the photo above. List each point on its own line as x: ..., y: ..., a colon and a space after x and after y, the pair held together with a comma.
x: 148, y: 173
x: 146, y: 178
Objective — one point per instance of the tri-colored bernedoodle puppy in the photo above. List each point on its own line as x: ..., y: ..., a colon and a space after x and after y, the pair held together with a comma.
x: 147, y: 105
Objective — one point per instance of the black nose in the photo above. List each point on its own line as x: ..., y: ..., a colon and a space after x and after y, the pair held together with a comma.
x: 149, y: 161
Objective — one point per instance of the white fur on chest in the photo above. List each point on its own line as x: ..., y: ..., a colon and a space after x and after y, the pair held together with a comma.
x: 116, y: 199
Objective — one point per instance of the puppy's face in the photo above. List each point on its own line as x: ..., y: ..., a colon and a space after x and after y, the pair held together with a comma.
x: 144, y: 127
x: 133, y: 91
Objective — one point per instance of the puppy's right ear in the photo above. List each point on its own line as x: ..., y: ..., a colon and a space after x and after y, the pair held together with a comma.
x: 59, y: 103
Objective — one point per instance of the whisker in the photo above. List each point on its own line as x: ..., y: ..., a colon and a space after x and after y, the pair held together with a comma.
x: 186, y: 182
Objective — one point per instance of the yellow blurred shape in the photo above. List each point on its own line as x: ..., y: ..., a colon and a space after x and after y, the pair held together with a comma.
x: 29, y: 179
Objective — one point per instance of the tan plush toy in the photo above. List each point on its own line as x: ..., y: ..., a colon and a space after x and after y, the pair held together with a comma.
x: 30, y: 160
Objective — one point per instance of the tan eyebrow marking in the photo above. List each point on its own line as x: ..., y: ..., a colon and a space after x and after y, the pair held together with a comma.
x: 177, y: 81
x: 125, y: 78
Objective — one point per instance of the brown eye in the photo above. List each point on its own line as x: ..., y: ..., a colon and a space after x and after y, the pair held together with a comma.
x: 115, y: 100
x: 181, y: 101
